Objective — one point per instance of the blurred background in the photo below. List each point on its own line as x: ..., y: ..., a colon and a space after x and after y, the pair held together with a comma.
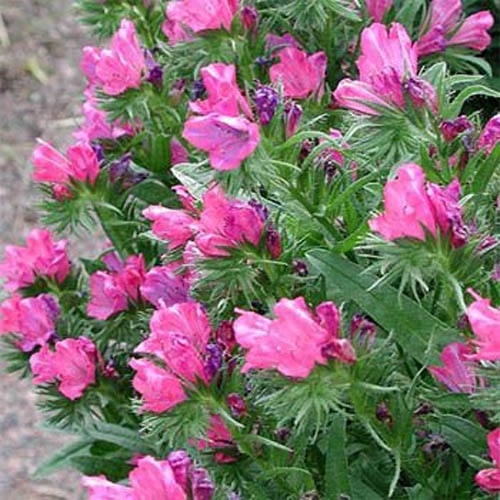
x: 40, y: 96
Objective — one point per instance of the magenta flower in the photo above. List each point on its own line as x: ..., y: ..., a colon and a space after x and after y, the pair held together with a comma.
x: 165, y: 285
x: 300, y: 84
x: 490, y: 136
x: 107, y: 297
x: 174, y: 226
x: 118, y: 68
x: 160, y: 390
x: 489, y: 479
x: 33, y: 319
x: 72, y: 364
x: 485, y: 323
x: 441, y: 28
x: 458, y: 373
x: 218, y: 437
x: 185, y: 17
x: 411, y: 204
x: 387, y: 69
x: 378, y: 8
x: 179, y: 336
x: 131, y: 276
x: 451, y: 129
x: 228, y: 140
x: 293, y: 342
x: 42, y: 256
x: 151, y: 479
x: 178, y: 153
x: 223, y: 94
x: 80, y: 164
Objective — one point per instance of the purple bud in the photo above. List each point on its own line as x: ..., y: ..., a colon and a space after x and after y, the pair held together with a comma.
x: 198, y: 89
x: 213, y: 361
x: 261, y: 210
x: 420, y: 91
x: 98, y: 151
x: 383, y: 414
x: 292, y: 116
x: 118, y: 168
x: 463, y: 322
x: 436, y: 443
x: 266, y: 99
x: 282, y: 434
x: 180, y: 462
x: 263, y: 62
x: 202, y: 486
x: 237, y: 404
x: 155, y: 72
x: 424, y: 409
x: 451, y: 129
x: 273, y: 242
x: 176, y: 91
x: 362, y: 331
x: 300, y: 268
x: 250, y: 19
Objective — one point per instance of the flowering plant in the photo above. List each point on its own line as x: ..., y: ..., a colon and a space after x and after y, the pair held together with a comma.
x: 299, y: 294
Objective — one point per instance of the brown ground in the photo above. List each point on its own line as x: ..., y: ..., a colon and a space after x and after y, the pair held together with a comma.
x: 40, y: 89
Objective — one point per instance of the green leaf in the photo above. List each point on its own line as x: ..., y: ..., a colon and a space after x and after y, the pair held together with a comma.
x: 336, y: 467
x: 121, y: 436
x: 467, y: 438
x: 455, y: 107
x: 411, y: 325
x: 63, y: 457
x: 486, y: 170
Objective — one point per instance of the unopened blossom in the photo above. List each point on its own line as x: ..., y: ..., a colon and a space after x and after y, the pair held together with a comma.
x: 179, y: 337
x: 484, y: 320
x: 490, y: 136
x: 250, y: 19
x: 202, y: 487
x: 441, y: 31
x: 80, y: 164
x: 294, y: 342
x: 412, y: 204
x: 451, y: 129
x: 218, y: 436
x: 378, y: 8
x: 292, y: 115
x: 119, y: 68
x: 42, y: 256
x: 151, y: 479
x: 186, y: 17
x: 266, y: 101
x: 160, y: 389
x: 32, y: 319
x: 387, y: 70
x: 72, y: 364
x: 489, y: 479
x: 178, y: 153
x: 181, y: 464
x: 458, y: 373
x: 301, y: 75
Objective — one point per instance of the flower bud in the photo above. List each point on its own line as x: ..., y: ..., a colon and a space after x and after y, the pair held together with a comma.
x: 180, y: 462
x: 266, y: 100
x: 451, y: 129
x: 250, y: 19
x: 237, y: 404
x: 292, y: 116
x: 154, y: 70
x: 300, y: 268
x: 202, y: 486
x: 213, y: 361
x: 273, y: 242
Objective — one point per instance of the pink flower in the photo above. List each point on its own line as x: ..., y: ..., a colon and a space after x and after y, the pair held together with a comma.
x: 118, y: 68
x: 378, y: 8
x: 197, y: 16
x: 223, y: 94
x: 42, y: 256
x: 72, y: 364
x: 178, y: 153
x: 489, y: 479
x: 485, y: 323
x: 490, y: 136
x: 159, y: 389
x: 387, y: 69
x: 151, y: 480
x: 164, y: 285
x: 299, y: 84
x: 80, y: 164
x: 441, y: 28
x: 293, y: 342
x: 458, y: 373
x: 181, y: 464
x: 228, y: 140
x: 107, y: 297
x: 179, y: 336
x: 130, y: 278
x: 226, y: 223
x: 473, y: 33
x: 411, y: 205
x: 174, y: 226
x: 33, y: 319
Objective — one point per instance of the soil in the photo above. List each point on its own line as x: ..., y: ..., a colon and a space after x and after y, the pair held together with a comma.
x: 40, y: 96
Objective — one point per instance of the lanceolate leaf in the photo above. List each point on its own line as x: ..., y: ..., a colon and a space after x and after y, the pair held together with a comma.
x: 412, y: 326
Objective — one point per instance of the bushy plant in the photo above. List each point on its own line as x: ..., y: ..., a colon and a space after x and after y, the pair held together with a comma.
x: 299, y: 294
